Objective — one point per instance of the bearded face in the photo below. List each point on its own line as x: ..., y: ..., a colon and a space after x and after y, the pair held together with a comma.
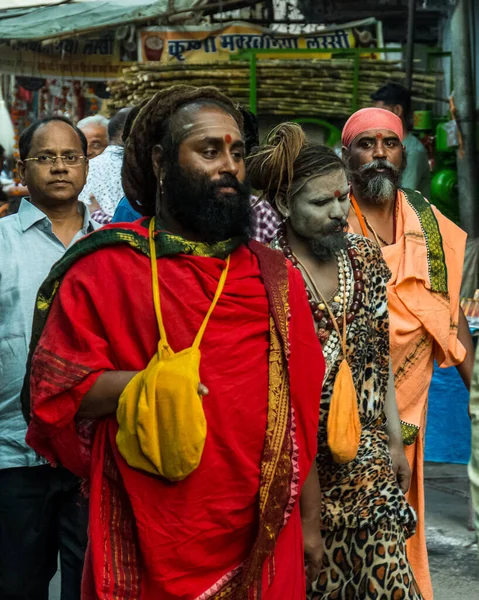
x: 203, y: 207
x: 376, y: 160
x: 318, y: 213
x: 377, y: 180
x: 203, y: 191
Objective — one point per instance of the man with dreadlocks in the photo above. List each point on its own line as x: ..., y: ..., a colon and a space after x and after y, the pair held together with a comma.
x: 194, y: 462
x: 361, y: 463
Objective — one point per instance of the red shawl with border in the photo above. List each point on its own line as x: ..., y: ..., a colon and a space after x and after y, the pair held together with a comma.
x: 232, y: 528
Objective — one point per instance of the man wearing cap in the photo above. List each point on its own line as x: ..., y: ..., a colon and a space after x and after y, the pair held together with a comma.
x: 425, y: 253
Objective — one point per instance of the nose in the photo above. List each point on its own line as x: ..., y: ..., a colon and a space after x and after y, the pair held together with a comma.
x: 336, y: 211
x: 379, y: 150
x: 229, y: 165
x: 58, y: 166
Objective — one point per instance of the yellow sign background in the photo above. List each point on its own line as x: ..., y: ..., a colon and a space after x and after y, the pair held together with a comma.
x: 202, y: 45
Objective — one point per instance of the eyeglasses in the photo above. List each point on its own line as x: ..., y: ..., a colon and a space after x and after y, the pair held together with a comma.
x: 70, y: 160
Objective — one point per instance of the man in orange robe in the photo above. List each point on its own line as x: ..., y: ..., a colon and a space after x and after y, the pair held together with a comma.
x: 232, y: 528
x: 425, y: 253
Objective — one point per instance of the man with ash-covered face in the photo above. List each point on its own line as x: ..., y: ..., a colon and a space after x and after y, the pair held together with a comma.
x: 195, y: 462
x: 424, y: 252
x: 365, y: 516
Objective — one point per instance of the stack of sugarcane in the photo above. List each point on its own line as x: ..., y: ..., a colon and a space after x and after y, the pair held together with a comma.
x: 284, y: 87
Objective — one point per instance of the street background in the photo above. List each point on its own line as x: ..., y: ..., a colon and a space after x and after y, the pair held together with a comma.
x: 453, y: 552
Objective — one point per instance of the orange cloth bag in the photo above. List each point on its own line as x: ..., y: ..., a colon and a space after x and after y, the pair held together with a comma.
x: 344, y: 425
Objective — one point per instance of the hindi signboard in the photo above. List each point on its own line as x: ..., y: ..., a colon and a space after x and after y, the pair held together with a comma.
x: 87, y: 59
x: 209, y: 44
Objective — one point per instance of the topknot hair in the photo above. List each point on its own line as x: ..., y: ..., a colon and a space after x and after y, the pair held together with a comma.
x: 287, y: 158
x: 150, y: 123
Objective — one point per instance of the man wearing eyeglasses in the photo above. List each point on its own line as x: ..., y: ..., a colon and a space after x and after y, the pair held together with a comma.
x: 41, y: 508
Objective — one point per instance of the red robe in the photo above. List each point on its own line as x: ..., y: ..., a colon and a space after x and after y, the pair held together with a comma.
x: 151, y: 539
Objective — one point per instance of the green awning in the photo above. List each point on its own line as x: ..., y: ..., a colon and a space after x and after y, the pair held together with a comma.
x: 73, y: 18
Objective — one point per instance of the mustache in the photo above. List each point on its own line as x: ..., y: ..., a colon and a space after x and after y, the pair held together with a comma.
x: 380, y: 163
x: 226, y: 181
x: 331, y: 228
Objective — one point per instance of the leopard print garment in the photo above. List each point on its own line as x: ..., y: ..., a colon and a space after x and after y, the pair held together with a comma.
x: 366, y: 564
x: 365, y: 491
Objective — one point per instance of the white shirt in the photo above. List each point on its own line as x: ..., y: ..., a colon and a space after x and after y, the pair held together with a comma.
x: 28, y: 248
x: 104, y: 179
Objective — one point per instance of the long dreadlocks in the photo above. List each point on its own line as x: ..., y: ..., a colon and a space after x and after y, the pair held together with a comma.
x: 153, y: 122
x: 287, y: 160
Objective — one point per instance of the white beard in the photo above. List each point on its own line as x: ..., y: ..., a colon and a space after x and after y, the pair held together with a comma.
x: 380, y: 190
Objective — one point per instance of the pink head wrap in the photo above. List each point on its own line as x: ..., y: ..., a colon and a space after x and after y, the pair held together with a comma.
x: 370, y: 118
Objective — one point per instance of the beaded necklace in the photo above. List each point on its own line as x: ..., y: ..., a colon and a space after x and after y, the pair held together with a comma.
x: 327, y: 315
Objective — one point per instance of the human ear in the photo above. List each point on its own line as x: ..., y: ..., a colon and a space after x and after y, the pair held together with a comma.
x: 21, y: 171
x: 157, y: 155
x: 282, y: 204
x: 398, y: 110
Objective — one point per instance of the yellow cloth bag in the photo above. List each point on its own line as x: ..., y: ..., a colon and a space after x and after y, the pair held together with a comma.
x: 162, y: 424
x: 344, y: 425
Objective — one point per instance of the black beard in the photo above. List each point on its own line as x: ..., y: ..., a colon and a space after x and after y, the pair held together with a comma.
x: 324, y: 247
x: 378, y: 188
x: 194, y: 201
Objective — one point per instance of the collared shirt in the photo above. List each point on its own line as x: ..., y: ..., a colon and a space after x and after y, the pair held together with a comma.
x: 28, y: 248
x: 416, y: 175
x: 104, y: 179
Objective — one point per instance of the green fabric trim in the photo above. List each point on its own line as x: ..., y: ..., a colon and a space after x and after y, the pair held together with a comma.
x: 409, y: 433
x: 166, y: 243
x: 435, y: 250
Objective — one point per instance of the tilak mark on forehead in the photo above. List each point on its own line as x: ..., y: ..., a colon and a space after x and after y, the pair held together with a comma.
x: 228, y: 138
x: 379, y: 135
x: 337, y: 193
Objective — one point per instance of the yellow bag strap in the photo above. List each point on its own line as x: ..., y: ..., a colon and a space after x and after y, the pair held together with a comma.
x: 156, y: 292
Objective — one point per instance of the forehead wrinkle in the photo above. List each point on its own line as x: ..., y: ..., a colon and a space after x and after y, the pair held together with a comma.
x: 204, y: 127
x: 46, y: 149
x: 188, y: 118
x: 43, y: 131
x: 333, y: 178
x: 372, y: 134
x: 327, y: 195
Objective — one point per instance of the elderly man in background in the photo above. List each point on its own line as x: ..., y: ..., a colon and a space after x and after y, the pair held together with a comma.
x: 425, y: 253
x: 103, y: 189
x: 95, y: 129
